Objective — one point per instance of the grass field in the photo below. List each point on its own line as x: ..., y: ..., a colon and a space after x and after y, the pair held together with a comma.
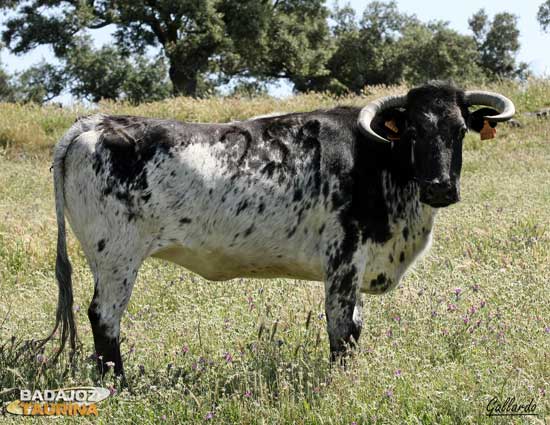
x: 471, y: 322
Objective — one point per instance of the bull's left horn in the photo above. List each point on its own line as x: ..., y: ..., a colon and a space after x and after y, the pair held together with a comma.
x: 368, y: 113
x: 501, y: 103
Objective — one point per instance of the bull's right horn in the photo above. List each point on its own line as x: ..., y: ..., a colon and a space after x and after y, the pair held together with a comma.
x: 377, y: 106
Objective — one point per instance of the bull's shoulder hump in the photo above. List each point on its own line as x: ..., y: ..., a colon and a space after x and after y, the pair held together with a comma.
x: 335, y: 118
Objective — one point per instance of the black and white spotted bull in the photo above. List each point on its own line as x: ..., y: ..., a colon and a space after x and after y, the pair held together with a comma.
x: 322, y: 196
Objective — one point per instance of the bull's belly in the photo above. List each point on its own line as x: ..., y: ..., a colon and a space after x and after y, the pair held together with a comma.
x: 216, y: 264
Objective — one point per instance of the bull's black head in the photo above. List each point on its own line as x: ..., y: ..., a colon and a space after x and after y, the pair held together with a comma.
x: 435, y: 122
x: 427, y: 127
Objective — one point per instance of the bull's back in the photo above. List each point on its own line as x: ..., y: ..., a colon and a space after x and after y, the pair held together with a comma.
x: 221, y: 200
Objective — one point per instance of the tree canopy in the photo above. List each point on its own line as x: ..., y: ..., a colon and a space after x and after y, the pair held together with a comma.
x: 193, y: 47
x: 543, y: 15
x: 498, y: 43
x: 263, y: 38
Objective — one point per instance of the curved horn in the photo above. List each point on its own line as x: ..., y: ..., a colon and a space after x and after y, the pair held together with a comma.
x: 502, y: 104
x: 368, y: 113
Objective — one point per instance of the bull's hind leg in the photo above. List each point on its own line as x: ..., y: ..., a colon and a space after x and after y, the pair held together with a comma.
x: 114, y: 277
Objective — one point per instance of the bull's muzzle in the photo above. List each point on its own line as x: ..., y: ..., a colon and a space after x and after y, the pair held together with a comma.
x: 439, y: 192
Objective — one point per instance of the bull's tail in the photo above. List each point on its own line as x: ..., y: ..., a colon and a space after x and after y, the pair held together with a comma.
x: 64, y: 319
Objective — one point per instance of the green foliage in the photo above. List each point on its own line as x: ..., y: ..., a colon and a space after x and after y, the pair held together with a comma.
x: 248, y: 89
x: 543, y: 15
x: 206, y: 44
x: 498, y: 44
x: 107, y: 73
x: 146, y: 80
x: 434, y: 51
x: 40, y: 83
x: 294, y: 44
x: 99, y: 74
x: 265, y: 39
x: 6, y: 88
x: 388, y: 46
x: 92, y: 74
x: 367, y: 52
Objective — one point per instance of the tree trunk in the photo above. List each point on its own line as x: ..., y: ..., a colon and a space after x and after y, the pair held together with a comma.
x: 184, y: 80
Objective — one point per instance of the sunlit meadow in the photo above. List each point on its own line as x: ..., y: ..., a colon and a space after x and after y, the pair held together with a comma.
x: 471, y: 322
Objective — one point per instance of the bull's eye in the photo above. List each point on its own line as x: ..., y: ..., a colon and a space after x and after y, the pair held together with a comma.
x: 462, y: 131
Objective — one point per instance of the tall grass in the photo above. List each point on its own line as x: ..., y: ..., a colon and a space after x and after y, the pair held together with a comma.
x: 469, y: 323
x: 34, y: 129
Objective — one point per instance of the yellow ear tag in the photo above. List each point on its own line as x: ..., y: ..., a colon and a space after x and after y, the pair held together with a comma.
x: 487, y: 132
x: 393, y: 127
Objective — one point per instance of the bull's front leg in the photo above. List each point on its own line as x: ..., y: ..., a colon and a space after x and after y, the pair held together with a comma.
x: 343, y: 306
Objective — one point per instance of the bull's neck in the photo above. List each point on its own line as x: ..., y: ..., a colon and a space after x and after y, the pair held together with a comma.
x: 400, y: 191
x: 402, y: 197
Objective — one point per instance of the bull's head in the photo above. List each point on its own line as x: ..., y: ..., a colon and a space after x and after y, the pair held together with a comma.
x: 429, y: 124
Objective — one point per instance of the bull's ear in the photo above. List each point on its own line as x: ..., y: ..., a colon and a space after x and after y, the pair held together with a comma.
x: 476, y: 120
x: 390, y: 124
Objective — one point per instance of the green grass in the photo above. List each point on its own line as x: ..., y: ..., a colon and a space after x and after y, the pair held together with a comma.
x: 245, y: 351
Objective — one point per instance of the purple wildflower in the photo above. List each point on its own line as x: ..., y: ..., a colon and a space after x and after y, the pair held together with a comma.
x: 389, y: 393
x: 482, y: 304
x: 398, y: 373
x: 228, y: 357
x: 209, y: 416
x: 112, y: 390
x: 458, y: 291
x: 451, y: 307
x: 248, y: 394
